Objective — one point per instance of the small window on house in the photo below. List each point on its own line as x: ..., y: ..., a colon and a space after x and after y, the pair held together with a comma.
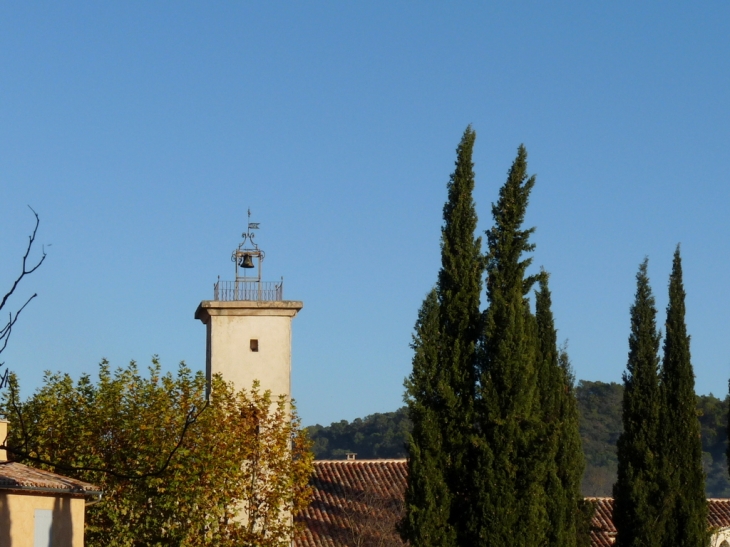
x: 254, y: 344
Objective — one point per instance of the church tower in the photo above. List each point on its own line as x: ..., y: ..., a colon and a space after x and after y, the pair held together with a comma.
x: 248, y: 324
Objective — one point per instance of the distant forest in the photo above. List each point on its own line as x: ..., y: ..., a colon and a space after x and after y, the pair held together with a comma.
x: 384, y: 436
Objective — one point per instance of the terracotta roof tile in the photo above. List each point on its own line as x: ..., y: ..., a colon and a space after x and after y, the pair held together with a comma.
x: 365, y: 498
x: 355, y: 498
x: 719, y: 513
x: 603, y: 532
x: 16, y: 476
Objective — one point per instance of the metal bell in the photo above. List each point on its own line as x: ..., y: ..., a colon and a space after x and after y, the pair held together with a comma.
x: 246, y: 261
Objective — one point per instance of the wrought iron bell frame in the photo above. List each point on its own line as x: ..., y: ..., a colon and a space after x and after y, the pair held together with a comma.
x: 239, y: 255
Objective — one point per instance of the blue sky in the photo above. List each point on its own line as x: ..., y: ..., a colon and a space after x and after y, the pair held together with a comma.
x: 142, y: 131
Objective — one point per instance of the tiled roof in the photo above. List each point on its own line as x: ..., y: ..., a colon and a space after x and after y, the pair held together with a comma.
x: 603, y: 532
x: 355, y: 503
x: 719, y: 514
x: 359, y: 502
x: 16, y: 476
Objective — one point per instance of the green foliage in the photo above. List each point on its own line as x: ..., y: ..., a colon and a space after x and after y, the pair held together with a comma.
x: 586, y: 510
x: 599, y: 406
x: 637, y: 497
x: 684, y: 505
x: 428, y: 498
x: 600, y: 419
x: 494, y: 455
x: 378, y: 436
x: 561, y: 444
x: 713, y: 416
x: 244, y: 451
x: 508, y: 472
x: 576, y: 514
x: 440, y: 389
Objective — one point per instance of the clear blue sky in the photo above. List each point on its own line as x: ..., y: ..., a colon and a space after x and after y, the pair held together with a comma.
x: 142, y: 131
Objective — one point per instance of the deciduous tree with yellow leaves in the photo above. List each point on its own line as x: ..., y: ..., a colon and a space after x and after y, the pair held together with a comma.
x: 176, y: 468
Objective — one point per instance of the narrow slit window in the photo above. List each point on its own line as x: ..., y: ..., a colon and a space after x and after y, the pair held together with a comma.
x: 254, y: 344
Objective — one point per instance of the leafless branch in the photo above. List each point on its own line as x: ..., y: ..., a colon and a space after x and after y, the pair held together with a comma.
x: 22, y: 452
x: 372, y: 516
x: 7, y: 329
x: 25, y: 271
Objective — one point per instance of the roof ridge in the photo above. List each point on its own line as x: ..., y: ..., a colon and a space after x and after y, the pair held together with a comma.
x: 17, y: 475
x: 374, y: 460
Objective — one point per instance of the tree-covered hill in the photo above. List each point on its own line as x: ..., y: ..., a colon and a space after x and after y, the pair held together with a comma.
x: 600, y: 427
x: 384, y: 436
x: 377, y: 436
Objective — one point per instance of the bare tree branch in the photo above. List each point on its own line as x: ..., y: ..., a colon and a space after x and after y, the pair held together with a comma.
x: 25, y: 271
x: 7, y: 329
x: 23, y: 453
x: 372, y: 515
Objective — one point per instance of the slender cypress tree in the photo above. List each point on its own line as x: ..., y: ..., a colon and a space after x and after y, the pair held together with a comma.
x: 550, y: 383
x: 636, y: 512
x: 683, y: 487
x: 562, y: 444
x: 459, y: 287
x: 449, y: 416
x: 427, y: 496
x: 571, y: 462
x: 507, y: 469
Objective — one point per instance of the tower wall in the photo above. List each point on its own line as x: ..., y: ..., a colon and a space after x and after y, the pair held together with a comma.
x: 250, y: 340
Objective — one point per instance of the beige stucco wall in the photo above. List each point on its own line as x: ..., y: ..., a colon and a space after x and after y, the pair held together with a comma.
x: 230, y: 328
x: 723, y: 534
x: 17, y: 517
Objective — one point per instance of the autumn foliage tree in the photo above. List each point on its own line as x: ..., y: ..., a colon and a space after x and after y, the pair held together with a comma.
x: 233, y: 475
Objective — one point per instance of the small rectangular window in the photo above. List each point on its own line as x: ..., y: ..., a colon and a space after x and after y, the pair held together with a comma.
x: 254, y: 344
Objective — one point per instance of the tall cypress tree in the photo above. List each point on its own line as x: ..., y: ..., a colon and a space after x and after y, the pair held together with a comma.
x: 562, y: 444
x: 427, y: 496
x: 445, y: 344
x: 636, y: 512
x: 571, y: 462
x: 507, y: 469
x: 458, y: 288
x: 683, y: 482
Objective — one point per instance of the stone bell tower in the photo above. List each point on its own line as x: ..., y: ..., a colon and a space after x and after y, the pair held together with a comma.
x: 248, y: 324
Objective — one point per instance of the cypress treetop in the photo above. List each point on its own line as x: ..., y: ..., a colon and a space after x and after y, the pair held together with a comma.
x: 508, y: 363
x: 549, y: 373
x: 460, y: 278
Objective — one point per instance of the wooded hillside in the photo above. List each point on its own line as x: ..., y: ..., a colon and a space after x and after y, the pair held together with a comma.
x: 384, y: 436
